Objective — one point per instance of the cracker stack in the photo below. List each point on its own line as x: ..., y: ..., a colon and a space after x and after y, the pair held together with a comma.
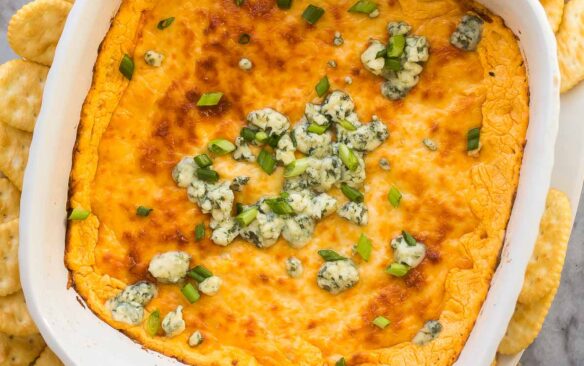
x: 33, y: 34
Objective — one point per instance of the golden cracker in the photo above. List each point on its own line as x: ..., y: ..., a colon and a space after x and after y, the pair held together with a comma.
x: 546, y: 263
x: 20, y: 351
x: 14, y: 145
x: 15, y: 317
x: 9, y: 277
x: 48, y: 358
x: 570, y: 39
x: 21, y: 86
x: 9, y: 201
x: 526, y: 324
x: 35, y: 29
x: 554, y: 10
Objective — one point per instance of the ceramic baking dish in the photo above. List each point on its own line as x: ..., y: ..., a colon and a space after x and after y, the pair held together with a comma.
x: 80, y: 338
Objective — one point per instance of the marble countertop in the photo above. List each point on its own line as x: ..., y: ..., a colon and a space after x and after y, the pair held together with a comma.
x: 561, y: 341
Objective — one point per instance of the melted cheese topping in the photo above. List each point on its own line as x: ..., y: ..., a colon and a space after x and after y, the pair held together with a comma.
x: 133, y: 133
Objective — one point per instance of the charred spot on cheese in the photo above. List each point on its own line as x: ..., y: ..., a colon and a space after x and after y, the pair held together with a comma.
x: 169, y: 267
x: 399, y: 62
x: 294, y: 267
x: 173, y: 323
x: 337, y: 276
x: 428, y: 333
x: 128, y: 306
x: 468, y: 33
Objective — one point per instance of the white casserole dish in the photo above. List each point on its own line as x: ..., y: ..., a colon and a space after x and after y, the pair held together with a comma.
x: 80, y: 338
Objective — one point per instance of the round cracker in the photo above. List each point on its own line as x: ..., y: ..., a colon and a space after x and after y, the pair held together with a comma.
x: 48, y: 358
x: 570, y: 39
x: 34, y: 31
x: 20, y: 351
x: 9, y: 278
x: 21, y: 86
x: 14, y: 145
x: 554, y: 10
x: 545, y: 266
x: 526, y: 324
x: 9, y: 201
x: 15, y: 317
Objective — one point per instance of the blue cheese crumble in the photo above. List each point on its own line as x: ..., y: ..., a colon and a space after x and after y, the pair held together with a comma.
x: 264, y: 231
x: 428, y: 333
x: 173, y: 323
x: 128, y: 306
x: 214, y: 198
x: 242, y: 151
x: 224, y: 232
x: 412, y: 255
x: 298, y: 230
x: 184, y: 172
x: 238, y: 183
x: 468, y: 33
x: 169, y: 267
x: 294, y: 267
x: 367, y: 137
x: 269, y: 120
x: 355, y: 212
x: 337, y: 106
x: 196, y: 338
x: 398, y: 28
x: 310, y: 143
x: 210, y: 285
x: 313, y: 114
x: 285, y: 150
x: 338, y: 276
x: 153, y: 58
x: 370, y: 59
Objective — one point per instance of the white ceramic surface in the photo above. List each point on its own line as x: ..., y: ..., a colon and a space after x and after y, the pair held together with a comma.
x: 80, y: 338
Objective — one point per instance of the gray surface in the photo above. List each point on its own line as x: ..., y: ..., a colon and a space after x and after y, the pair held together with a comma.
x: 561, y: 342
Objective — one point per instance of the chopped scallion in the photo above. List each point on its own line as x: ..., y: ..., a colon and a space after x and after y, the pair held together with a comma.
x: 330, y: 255
x: 239, y: 2
x: 341, y: 362
x: 410, y: 240
x: 153, y: 323
x: 127, y: 67
x: 296, y: 168
x: 248, y: 134
x: 209, y: 99
x: 279, y: 206
x: 284, y: 4
x: 392, y: 64
x: 244, y: 38
x: 220, y: 146
x: 246, y: 217
x: 323, y: 86
x: 312, y: 14
x: 191, y: 293
x: 267, y: 161
x: 347, y: 125
x: 316, y: 128
x: 200, y: 232
x: 207, y: 175
x: 381, y: 322
x: 473, y: 138
x: 351, y: 193
x: 273, y: 140
x: 364, y: 247
x: 203, y: 160
x: 394, y: 197
x: 261, y: 137
x: 397, y: 269
x: 396, y: 45
x: 363, y: 6
x: 78, y: 214
x: 348, y: 157
x: 165, y: 23
x: 143, y: 211
x: 199, y: 273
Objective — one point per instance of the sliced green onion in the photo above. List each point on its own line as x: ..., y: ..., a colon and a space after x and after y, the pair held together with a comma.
x: 239, y: 2
x: 392, y: 64
x: 78, y: 214
x: 312, y: 14
x: 347, y: 125
x: 127, y: 67
x: 279, y: 206
x: 316, y: 128
x: 261, y: 137
x: 239, y: 208
x: 199, y: 273
x: 220, y: 146
x: 246, y: 217
x: 364, y: 247
x: 284, y: 195
x: 296, y: 168
x: 410, y: 240
x: 165, y: 23
x: 474, y: 135
x: 363, y: 6
x: 430, y: 144
x: 203, y: 160
x: 381, y: 322
x: 200, y: 232
x: 153, y: 323
x: 267, y: 161
x: 341, y: 362
x: 348, y: 157
x: 209, y: 99
x: 396, y: 45
x: 330, y: 255
x: 323, y: 86
x: 351, y: 193
x: 273, y: 140
x: 397, y: 269
x: 207, y: 175
x: 394, y: 197
x: 284, y: 4
x: 244, y: 38
x: 248, y: 134
x: 191, y: 293
x: 143, y: 211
